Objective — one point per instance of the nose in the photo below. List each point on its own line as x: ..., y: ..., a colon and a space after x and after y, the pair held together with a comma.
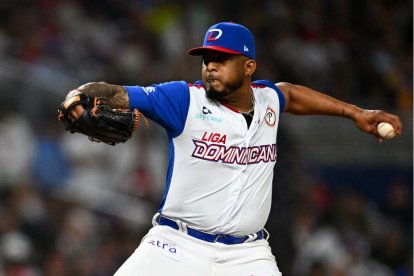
x: 211, y: 66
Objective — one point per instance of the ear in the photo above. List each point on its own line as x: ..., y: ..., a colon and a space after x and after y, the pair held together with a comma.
x: 249, y: 67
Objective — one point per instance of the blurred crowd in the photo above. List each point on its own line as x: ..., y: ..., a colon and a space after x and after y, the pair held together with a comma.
x: 349, y: 234
x: 72, y: 207
x: 360, y: 50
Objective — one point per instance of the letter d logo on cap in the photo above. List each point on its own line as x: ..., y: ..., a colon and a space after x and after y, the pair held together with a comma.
x: 214, y: 34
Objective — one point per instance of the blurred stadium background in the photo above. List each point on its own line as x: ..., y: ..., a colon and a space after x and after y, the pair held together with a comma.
x: 342, y: 201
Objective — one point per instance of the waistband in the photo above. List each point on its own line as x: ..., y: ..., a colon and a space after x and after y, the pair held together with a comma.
x: 221, y: 238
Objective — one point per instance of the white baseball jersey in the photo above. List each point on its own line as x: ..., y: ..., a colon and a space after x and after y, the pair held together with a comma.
x: 220, y: 170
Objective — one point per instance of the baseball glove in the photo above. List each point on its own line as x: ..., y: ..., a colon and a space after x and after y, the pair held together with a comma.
x: 98, y: 121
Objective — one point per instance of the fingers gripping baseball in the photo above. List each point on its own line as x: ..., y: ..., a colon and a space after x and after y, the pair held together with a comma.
x: 368, y: 121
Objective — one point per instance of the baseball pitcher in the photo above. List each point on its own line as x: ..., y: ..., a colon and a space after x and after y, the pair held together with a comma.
x: 222, y: 135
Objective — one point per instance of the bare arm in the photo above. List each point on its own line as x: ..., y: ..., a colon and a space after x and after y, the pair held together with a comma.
x: 114, y: 96
x: 302, y: 100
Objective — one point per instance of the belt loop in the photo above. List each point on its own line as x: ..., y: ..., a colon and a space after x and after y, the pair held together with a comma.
x: 216, y: 237
x: 182, y: 226
x: 251, y: 237
x: 155, y: 219
x: 267, y: 234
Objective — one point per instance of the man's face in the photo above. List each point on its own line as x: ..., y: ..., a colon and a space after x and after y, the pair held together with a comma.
x: 222, y: 74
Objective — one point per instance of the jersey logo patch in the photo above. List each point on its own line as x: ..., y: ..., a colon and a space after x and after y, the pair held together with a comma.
x: 214, y: 137
x: 206, y: 110
x: 234, y: 155
x: 207, y: 115
x: 270, y: 117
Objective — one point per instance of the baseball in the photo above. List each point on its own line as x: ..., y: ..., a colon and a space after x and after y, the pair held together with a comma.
x: 386, y: 131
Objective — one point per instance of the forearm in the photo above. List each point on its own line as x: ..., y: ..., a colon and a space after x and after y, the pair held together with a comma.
x: 301, y: 100
x: 115, y: 95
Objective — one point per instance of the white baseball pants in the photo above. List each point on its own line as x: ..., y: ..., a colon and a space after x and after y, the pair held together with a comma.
x: 166, y: 251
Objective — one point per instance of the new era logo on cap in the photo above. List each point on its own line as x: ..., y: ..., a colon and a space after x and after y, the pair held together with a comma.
x: 229, y: 38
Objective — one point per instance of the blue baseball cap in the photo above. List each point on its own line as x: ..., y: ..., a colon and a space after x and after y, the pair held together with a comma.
x: 227, y: 37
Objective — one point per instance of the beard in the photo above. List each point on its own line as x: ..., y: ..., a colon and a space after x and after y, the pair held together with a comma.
x: 219, y: 95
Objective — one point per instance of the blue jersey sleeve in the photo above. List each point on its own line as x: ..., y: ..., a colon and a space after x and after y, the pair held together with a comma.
x: 166, y: 104
x: 270, y: 84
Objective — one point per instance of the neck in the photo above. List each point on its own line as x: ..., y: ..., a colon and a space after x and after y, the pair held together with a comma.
x: 242, y: 101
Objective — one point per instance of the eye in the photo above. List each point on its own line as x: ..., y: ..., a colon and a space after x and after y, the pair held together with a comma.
x: 218, y: 59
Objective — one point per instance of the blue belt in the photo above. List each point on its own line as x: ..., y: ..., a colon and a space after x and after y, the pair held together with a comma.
x: 221, y: 238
